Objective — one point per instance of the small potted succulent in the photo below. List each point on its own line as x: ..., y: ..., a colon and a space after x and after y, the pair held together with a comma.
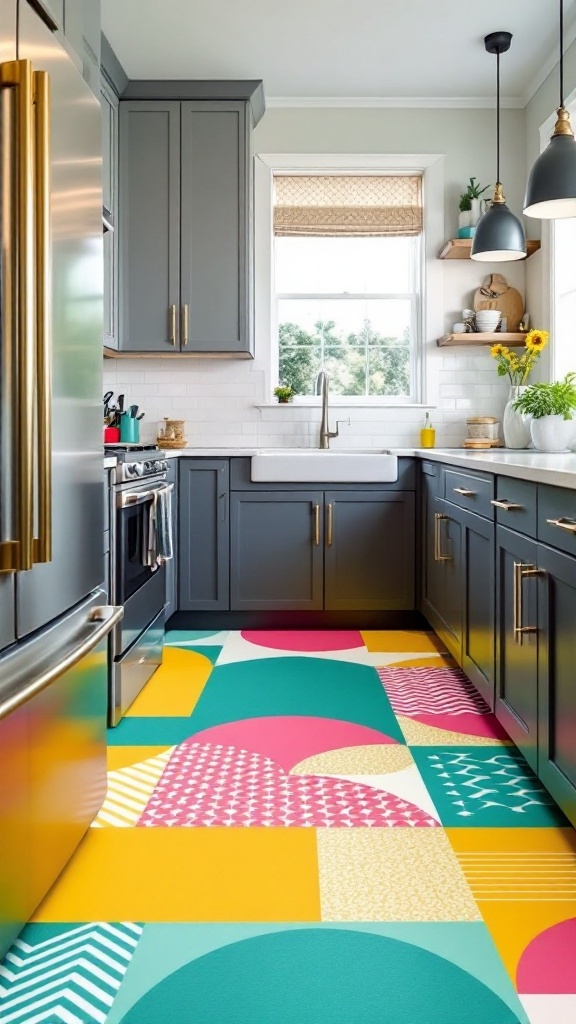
x: 552, y: 407
x: 284, y: 393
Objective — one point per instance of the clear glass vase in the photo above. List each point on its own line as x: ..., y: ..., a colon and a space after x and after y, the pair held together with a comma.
x: 516, y: 425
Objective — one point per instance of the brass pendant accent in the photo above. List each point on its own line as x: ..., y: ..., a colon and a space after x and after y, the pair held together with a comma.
x: 498, y: 197
x: 562, y: 126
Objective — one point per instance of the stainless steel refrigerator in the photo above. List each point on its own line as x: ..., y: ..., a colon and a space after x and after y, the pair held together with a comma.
x: 54, y: 621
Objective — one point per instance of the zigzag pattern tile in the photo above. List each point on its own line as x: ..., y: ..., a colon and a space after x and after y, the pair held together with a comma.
x: 71, y: 978
x: 129, y: 790
x: 440, y: 691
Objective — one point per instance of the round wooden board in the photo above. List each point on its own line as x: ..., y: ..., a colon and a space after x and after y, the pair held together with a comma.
x: 508, y: 300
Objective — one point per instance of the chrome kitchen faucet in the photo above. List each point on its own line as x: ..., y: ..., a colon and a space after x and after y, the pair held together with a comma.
x: 322, y: 382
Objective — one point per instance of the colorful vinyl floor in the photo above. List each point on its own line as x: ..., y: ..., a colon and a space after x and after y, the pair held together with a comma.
x: 308, y: 828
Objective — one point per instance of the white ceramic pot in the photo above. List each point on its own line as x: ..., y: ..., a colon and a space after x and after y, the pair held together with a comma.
x: 551, y: 433
x: 515, y: 425
x: 475, y: 212
x: 464, y: 219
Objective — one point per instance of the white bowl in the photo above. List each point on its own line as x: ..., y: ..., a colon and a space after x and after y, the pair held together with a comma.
x: 487, y: 319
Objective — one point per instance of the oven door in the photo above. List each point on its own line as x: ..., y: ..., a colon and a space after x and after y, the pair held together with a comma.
x: 132, y: 514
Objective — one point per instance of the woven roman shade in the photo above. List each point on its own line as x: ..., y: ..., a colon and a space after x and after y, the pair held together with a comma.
x: 347, y: 205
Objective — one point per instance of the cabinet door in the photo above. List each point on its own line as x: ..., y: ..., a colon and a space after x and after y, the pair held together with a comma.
x: 204, y: 535
x: 517, y: 653
x: 431, y: 576
x: 172, y: 563
x: 109, y: 106
x: 557, y: 690
x: 478, y: 613
x: 149, y: 208
x: 445, y: 614
x: 276, y: 547
x: 369, y: 551
x: 215, y: 223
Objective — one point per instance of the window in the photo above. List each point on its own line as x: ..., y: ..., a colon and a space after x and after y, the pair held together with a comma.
x: 564, y: 298
x: 347, y: 284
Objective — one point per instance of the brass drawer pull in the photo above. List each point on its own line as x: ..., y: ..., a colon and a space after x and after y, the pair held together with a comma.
x: 316, y: 509
x: 172, y: 337
x: 521, y: 572
x: 563, y: 524
x: 438, y: 556
x: 330, y: 524
x: 507, y: 506
x: 464, y: 492
x: 185, y: 323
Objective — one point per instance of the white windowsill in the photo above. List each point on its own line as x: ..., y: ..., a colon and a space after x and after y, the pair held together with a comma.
x: 353, y: 403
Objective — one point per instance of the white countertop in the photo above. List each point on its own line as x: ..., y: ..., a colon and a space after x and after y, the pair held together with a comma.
x: 557, y: 470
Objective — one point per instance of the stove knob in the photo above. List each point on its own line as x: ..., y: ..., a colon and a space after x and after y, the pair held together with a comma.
x: 137, y: 469
x: 163, y: 465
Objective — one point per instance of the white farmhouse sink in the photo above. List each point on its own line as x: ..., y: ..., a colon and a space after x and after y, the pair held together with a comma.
x: 313, y: 465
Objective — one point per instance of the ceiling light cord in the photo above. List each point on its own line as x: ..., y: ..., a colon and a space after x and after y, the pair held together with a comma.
x: 561, y: 53
x: 498, y: 118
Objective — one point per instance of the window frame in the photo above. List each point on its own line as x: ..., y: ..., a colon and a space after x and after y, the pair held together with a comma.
x: 430, y: 313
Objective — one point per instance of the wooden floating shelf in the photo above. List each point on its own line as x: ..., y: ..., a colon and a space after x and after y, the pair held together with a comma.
x: 476, y: 338
x: 459, y: 249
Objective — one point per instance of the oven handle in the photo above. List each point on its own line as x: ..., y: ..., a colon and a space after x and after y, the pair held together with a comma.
x: 139, y: 497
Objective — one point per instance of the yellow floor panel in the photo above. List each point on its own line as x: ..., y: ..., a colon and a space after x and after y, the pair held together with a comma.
x: 175, y: 687
x: 434, y: 661
x: 188, y: 874
x: 523, y: 879
x: 410, y: 640
x: 123, y: 757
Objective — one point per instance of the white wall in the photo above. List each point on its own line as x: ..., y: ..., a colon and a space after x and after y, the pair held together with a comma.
x: 219, y: 398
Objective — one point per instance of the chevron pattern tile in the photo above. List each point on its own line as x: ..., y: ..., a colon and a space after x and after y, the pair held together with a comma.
x: 70, y: 978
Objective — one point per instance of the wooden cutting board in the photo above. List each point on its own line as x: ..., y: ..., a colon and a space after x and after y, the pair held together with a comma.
x: 496, y: 293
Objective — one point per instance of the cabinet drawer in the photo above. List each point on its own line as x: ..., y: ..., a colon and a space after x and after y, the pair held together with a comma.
x: 557, y: 518
x: 473, y: 491
x: 515, y: 505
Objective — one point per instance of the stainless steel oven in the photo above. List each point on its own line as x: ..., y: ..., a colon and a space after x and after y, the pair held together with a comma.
x: 140, y: 545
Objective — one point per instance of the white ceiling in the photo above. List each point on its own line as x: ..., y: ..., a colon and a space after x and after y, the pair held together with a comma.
x: 338, y: 48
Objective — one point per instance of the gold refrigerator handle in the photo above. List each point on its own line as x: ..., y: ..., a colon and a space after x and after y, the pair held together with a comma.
x: 41, y: 87
x: 17, y: 554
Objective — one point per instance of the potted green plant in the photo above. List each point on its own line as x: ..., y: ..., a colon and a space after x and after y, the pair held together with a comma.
x: 552, y: 408
x: 284, y: 393
x: 469, y: 206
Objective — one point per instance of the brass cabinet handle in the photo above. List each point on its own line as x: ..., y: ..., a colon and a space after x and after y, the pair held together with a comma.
x: 17, y: 553
x: 43, y: 543
x: 438, y: 556
x: 329, y: 524
x: 316, y: 510
x: 521, y: 572
x: 563, y: 524
x: 464, y: 492
x: 507, y: 506
x: 185, y: 323
x: 172, y: 326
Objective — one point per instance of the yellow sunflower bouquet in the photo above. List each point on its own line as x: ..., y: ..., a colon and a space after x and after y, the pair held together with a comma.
x: 518, y: 367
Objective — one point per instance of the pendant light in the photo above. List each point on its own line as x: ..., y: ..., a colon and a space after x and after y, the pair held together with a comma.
x: 499, y: 235
x: 551, y: 190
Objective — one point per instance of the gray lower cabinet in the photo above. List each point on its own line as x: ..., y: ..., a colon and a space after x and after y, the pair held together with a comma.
x: 443, y: 575
x: 369, y: 551
x: 517, y: 652
x: 478, y: 600
x: 186, y: 226
x: 303, y: 550
x: 277, y: 551
x: 172, y: 563
x: 203, y: 535
x: 557, y: 689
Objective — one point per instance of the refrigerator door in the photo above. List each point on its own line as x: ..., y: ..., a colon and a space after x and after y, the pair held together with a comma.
x: 7, y: 622
x: 76, y: 566
x: 53, y: 704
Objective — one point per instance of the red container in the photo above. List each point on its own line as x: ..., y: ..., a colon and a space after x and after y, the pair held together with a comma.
x: 111, y: 435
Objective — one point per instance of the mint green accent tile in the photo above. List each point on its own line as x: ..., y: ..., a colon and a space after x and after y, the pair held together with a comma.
x: 205, y: 650
x: 308, y: 975
x: 164, y: 948
x: 295, y: 686
x: 485, y: 787
x: 150, y: 732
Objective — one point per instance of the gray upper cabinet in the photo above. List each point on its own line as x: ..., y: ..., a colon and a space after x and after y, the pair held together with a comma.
x: 369, y: 551
x: 109, y: 107
x: 186, y: 226
x: 149, y: 225
x: 82, y: 33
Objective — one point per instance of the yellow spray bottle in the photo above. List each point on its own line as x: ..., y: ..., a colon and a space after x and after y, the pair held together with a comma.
x: 427, y: 434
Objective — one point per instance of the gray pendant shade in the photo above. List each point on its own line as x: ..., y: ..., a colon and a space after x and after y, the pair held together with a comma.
x: 499, y: 236
x: 551, y: 190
